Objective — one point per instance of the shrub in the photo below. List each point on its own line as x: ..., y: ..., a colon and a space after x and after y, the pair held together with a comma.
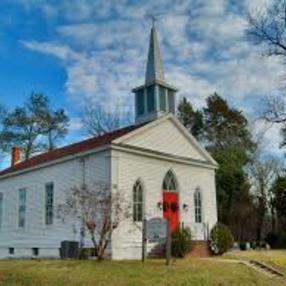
x: 181, y: 242
x: 253, y: 245
x: 242, y: 245
x: 84, y: 253
x: 221, y: 239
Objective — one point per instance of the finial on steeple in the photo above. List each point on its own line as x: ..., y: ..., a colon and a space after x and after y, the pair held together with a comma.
x: 154, y: 19
x: 154, y: 69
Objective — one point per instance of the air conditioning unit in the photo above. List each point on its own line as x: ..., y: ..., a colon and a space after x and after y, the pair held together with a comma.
x: 69, y: 249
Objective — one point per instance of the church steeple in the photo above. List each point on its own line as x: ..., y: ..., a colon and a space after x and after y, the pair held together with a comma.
x: 154, y: 70
x: 155, y: 97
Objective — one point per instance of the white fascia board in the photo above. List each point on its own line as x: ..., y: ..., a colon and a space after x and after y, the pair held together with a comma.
x: 196, y: 144
x: 161, y: 156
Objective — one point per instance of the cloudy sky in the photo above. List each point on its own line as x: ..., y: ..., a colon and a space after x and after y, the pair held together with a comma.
x: 80, y: 50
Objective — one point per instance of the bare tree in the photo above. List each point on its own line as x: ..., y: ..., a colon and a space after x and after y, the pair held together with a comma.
x: 275, y: 112
x: 97, y: 120
x: 98, y: 210
x: 263, y: 170
x: 267, y: 27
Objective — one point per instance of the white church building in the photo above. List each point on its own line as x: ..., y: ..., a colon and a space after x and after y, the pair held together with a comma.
x: 156, y: 162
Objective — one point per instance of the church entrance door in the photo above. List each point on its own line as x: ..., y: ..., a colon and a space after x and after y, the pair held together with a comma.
x: 171, y: 209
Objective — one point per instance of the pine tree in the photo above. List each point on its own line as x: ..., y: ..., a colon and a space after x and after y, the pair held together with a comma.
x: 191, y: 119
x: 30, y: 125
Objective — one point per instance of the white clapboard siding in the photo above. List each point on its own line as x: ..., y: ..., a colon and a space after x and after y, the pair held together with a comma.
x: 126, y: 242
x: 166, y: 138
x: 64, y: 175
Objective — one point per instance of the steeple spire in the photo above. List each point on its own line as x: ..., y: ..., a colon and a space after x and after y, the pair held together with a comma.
x: 154, y: 69
x: 156, y: 97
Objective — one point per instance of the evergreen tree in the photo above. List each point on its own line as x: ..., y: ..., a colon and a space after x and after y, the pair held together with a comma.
x: 191, y: 119
x: 229, y: 141
x: 279, y: 199
x: 29, y: 125
x: 224, y: 125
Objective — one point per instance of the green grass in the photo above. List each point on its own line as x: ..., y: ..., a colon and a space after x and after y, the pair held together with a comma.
x: 192, y: 272
x: 276, y: 258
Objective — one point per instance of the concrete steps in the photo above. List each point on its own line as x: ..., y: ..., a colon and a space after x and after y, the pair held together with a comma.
x: 265, y: 268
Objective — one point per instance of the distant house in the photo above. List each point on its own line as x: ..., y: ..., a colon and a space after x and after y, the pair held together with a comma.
x: 156, y: 158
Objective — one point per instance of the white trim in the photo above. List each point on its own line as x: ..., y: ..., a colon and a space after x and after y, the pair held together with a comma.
x: 162, y: 156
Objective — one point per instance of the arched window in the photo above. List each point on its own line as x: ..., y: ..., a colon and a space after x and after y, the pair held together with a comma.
x: 170, y: 183
x: 198, y: 206
x: 137, y: 201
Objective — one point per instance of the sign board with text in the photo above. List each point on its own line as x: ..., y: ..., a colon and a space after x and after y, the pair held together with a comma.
x: 156, y: 229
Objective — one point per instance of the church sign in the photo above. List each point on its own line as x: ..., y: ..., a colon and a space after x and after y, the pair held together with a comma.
x: 156, y: 229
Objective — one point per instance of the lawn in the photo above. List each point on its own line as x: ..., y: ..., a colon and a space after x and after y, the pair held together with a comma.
x: 276, y: 258
x: 118, y: 273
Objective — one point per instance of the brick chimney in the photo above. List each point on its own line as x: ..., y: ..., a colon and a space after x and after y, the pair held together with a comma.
x: 16, y: 156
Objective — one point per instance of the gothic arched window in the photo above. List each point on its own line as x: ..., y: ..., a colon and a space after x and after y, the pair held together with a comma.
x: 198, y: 206
x: 138, y: 201
x: 170, y: 182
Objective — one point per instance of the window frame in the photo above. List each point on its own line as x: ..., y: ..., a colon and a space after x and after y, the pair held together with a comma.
x: 49, y: 206
x: 140, y: 102
x: 138, y: 202
x: 22, y: 208
x: 170, y: 183
x: 162, y: 98
x: 150, y: 93
x: 171, y: 101
x: 198, y: 208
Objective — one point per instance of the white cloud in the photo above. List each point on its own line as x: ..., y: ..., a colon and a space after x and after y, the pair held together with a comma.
x: 62, y: 52
x: 103, y: 45
x: 270, y: 137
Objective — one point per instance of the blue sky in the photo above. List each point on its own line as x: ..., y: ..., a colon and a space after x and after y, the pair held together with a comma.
x: 81, y: 51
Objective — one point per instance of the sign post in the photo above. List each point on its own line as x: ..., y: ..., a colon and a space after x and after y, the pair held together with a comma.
x: 168, y: 243
x: 158, y: 230
x: 144, y: 239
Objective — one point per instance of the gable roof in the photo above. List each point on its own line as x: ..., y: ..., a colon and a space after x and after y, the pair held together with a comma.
x: 207, y: 158
x: 116, y: 137
x: 68, y: 150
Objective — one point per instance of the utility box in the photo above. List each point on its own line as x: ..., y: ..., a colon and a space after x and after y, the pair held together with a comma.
x: 69, y: 249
